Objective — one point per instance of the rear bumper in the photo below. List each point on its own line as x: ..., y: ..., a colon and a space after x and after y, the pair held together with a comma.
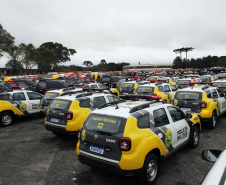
x: 58, y: 128
x: 106, y: 165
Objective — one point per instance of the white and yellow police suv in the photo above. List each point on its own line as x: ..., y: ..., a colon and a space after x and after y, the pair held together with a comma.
x: 208, y: 102
x: 50, y: 95
x: 131, y: 138
x: 18, y: 103
x: 66, y: 114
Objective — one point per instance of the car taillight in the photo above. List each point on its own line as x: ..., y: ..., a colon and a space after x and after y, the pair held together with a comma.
x: 112, y: 85
x: 69, y: 115
x: 172, y: 102
x: 125, y: 144
x: 203, y: 104
x: 79, y: 133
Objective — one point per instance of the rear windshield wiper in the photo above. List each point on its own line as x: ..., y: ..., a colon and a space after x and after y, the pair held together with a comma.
x: 104, y: 133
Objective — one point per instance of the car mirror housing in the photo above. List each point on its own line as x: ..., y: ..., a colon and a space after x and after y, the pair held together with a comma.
x: 211, y: 155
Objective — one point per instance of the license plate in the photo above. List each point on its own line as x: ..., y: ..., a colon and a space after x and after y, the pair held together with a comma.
x: 54, y: 120
x: 96, y: 149
x: 185, y: 109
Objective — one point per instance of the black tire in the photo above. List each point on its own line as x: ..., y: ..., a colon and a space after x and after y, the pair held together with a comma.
x: 6, y: 119
x: 213, y: 121
x: 149, y: 171
x: 194, y: 138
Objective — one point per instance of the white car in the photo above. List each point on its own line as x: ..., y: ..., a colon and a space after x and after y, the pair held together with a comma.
x: 217, y: 174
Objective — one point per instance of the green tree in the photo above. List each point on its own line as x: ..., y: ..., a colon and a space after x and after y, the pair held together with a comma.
x: 87, y: 63
x: 61, y: 52
x: 6, y: 41
x: 103, y: 62
x: 45, y: 60
x: 177, y: 63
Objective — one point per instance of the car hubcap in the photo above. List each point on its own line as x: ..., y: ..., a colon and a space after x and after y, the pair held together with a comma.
x: 6, y: 119
x: 152, y: 170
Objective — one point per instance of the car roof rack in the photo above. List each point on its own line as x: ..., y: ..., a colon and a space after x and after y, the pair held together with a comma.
x: 85, y: 94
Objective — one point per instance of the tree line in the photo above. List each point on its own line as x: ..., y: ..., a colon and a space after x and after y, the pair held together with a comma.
x: 199, y: 63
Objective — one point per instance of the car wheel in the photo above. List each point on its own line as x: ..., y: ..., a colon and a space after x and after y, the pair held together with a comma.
x: 150, y: 170
x: 194, y: 139
x: 6, y: 119
x: 213, y: 121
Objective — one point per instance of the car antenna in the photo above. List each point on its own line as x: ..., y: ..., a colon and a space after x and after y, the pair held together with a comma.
x: 116, y: 106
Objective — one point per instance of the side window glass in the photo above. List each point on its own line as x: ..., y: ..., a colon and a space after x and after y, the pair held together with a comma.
x: 113, y: 99
x: 160, y: 117
x: 160, y: 88
x: 221, y: 94
x: 214, y: 93
x: 85, y: 103
x: 94, y: 86
x: 98, y: 101
x: 4, y: 96
x: 34, y: 96
x: 173, y: 88
x: 176, y: 114
x: 208, y: 94
x: 143, y: 121
x: 18, y: 97
x: 166, y: 88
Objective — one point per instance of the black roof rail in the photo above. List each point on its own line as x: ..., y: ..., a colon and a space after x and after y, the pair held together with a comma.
x: 109, y: 104
x: 142, y: 106
x: 206, y: 87
x: 82, y: 95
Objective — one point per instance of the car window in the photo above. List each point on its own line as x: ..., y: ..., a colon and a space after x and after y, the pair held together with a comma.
x: 221, y: 94
x: 18, y: 96
x: 4, y: 96
x: 94, y: 86
x: 34, y: 96
x: 208, y: 93
x: 173, y: 88
x: 214, y: 93
x: 176, y: 114
x: 181, y: 95
x: 85, y: 103
x: 60, y: 104
x: 23, y: 85
x: 113, y: 99
x: 160, y: 88
x: 98, y: 101
x: 42, y: 84
x: 160, y: 117
x: 166, y: 88
x: 143, y: 121
x: 101, y: 86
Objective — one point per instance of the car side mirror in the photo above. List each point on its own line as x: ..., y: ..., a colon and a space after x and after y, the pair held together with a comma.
x: 188, y: 115
x: 211, y: 155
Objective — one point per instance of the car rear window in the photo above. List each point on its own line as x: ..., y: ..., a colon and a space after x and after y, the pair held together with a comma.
x: 115, y: 79
x: 205, y: 78
x: 50, y: 96
x: 145, y: 89
x: 4, y: 96
x: 219, y: 84
x: 60, y: 104
x: 182, y: 95
x: 127, y: 85
x: 183, y: 82
x: 103, y: 123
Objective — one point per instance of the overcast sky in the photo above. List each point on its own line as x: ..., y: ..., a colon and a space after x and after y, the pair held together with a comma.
x: 145, y: 31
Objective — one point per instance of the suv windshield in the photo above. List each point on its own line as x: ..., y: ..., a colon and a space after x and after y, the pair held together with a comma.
x: 50, y: 96
x: 182, y: 95
x: 103, y: 123
x: 60, y: 104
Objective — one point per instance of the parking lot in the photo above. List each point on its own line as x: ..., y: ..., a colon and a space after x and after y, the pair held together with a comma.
x: 32, y: 155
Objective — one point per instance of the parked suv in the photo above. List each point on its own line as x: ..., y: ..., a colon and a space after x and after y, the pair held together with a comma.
x: 207, y: 102
x: 131, y: 138
x: 110, y: 81
x: 45, y: 85
x: 66, y: 114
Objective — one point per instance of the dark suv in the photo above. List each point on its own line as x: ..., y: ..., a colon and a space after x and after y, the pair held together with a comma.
x: 110, y: 81
x: 45, y: 85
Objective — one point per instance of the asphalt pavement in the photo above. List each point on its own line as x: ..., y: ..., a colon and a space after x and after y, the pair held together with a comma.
x: 29, y: 154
